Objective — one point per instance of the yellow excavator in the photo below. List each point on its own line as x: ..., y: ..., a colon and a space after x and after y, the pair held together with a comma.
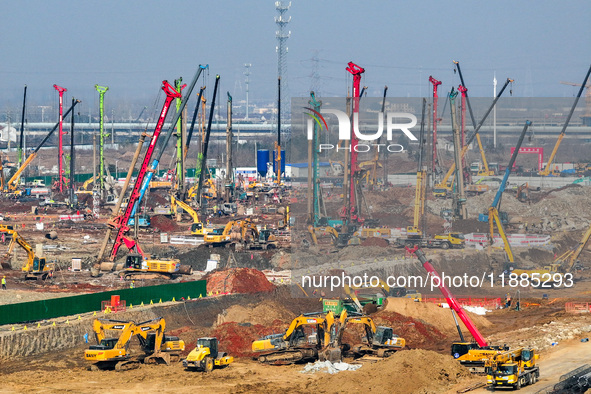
x: 306, y: 336
x: 197, y: 227
x: 221, y: 236
x: 36, y: 267
x: 206, y: 356
x: 113, y: 352
x: 378, y: 341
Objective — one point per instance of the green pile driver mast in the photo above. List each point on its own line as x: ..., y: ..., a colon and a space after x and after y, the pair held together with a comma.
x: 61, y: 180
x: 278, y: 143
x: 101, y: 90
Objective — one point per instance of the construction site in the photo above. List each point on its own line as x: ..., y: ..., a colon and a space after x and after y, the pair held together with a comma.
x: 194, y: 248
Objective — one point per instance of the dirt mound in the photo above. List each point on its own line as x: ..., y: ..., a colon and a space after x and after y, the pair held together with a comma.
x: 438, y: 317
x: 236, y: 338
x: 409, y: 371
x: 264, y: 314
x: 374, y: 241
x: 416, y: 333
x: 164, y: 224
x: 238, y: 280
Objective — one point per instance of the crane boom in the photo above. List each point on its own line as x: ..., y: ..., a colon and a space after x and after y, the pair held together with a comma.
x: 546, y: 170
x: 474, y: 134
x: 13, y: 182
x: 122, y: 222
x: 451, y: 301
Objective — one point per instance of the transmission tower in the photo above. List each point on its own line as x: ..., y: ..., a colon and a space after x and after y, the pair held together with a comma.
x: 247, y: 82
x: 282, y: 35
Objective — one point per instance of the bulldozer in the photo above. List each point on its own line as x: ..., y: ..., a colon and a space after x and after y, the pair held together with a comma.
x: 206, y: 356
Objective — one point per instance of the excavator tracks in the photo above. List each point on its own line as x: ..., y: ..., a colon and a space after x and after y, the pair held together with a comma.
x: 287, y: 357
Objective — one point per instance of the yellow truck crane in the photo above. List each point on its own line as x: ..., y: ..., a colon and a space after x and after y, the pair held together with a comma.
x: 113, y: 352
x: 514, y: 368
x: 306, y: 336
x: 206, y: 356
x: 36, y: 267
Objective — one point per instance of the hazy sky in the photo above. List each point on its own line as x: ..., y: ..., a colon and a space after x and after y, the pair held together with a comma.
x: 132, y: 45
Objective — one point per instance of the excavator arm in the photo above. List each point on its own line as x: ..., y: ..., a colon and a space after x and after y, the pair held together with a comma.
x: 127, y: 329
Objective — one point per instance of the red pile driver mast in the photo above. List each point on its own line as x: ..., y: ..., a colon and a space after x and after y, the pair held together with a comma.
x: 61, y: 180
x: 121, y: 223
x: 463, y: 90
x: 435, y: 83
x: 356, y: 71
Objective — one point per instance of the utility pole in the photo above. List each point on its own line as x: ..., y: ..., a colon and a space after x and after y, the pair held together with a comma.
x: 247, y: 83
x: 101, y: 90
x: 60, y: 177
x: 229, y: 176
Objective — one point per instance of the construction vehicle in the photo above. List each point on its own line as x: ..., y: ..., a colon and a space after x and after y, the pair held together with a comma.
x: 205, y: 357
x: 262, y: 239
x: 297, y: 343
x: 546, y: 170
x: 523, y: 192
x: 515, y: 368
x: 338, y: 239
x: 245, y: 232
x: 419, y: 207
x: 140, y: 267
x: 36, y: 267
x: 446, y: 182
x: 474, y: 190
x: 197, y: 227
x: 378, y: 341
x: 493, y: 211
x: 13, y: 182
x: 113, y: 353
x: 472, y: 355
x: 452, y: 240
x: 158, y: 346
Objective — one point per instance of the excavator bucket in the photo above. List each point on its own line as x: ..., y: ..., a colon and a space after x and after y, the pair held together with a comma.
x: 158, y: 358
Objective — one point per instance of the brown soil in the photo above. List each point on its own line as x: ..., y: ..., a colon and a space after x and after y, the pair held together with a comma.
x: 237, y: 280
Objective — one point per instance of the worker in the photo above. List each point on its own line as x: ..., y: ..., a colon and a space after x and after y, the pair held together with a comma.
x: 4, y: 283
x: 132, y: 284
x: 508, y: 300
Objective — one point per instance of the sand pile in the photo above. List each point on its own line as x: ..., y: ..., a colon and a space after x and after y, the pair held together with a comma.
x: 238, y: 280
x: 409, y: 371
x: 264, y: 314
x: 438, y: 317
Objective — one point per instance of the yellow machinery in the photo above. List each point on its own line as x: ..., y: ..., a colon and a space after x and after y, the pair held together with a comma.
x: 36, y: 267
x: 222, y: 237
x: 84, y: 188
x: 209, y: 190
x: 158, y: 346
x: 325, y: 230
x: 297, y: 343
x: 197, y: 227
x: 138, y: 267
x: 378, y: 341
x: 514, y: 368
x: 414, y: 231
x: 206, y: 356
x: 113, y: 353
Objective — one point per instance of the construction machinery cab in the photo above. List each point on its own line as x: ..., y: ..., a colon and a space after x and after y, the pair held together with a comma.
x: 382, y: 335
x: 150, y: 343
x: 210, y: 343
x: 38, y: 263
x: 134, y: 261
x: 458, y: 349
x: 105, y: 344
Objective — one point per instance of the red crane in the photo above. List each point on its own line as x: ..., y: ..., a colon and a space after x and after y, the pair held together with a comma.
x: 435, y: 83
x: 356, y: 71
x: 61, y: 180
x: 451, y: 301
x: 121, y: 222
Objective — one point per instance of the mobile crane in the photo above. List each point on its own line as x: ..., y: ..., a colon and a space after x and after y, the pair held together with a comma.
x: 36, y: 267
x: 515, y: 368
x: 493, y: 211
x: 13, y: 182
x: 445, y: 183
x: 547, y: 168
x: 470, y: 354
x: 295, y: 345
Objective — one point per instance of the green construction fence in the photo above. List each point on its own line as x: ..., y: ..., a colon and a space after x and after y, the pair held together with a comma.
x: 67, y: 306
